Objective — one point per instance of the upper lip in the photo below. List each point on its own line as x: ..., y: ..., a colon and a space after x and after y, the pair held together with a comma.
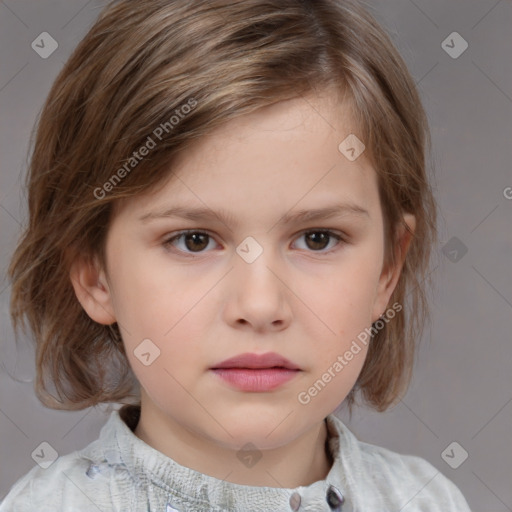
x: 248, y: 360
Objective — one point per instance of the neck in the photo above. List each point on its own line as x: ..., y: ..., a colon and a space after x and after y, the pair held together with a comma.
x: 302, y: 462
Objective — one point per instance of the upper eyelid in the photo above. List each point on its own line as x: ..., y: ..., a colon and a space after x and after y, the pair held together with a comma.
x: 301, y: 232
x: 340, y: 235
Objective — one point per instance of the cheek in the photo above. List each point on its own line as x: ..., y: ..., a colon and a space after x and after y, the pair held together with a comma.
x: 151, y: 295
x: 167, y: 306
x: 343, y: 299
x: 175, y: 351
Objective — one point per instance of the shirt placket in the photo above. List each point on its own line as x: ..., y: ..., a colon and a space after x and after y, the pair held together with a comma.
x: 333, y: 497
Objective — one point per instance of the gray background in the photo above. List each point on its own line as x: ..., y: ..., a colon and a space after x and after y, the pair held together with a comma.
x: 461, y: 390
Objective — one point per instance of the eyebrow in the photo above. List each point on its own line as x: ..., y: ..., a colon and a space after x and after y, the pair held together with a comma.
x: 202, y: 214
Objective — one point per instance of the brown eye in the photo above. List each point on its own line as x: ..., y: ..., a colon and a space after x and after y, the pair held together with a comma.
x: 189, y: 243
x: 194, y: 241
x: 318, y: 240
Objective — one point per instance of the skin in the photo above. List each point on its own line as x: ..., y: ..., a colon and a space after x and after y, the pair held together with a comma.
x: 200, y: 302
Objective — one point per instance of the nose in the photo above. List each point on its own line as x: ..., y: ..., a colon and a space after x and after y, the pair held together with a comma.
x: 259, y: 295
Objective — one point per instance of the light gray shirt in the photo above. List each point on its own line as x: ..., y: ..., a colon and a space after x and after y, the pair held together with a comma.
x: 120, y: 472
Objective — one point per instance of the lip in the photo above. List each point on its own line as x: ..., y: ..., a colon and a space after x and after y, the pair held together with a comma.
x: 257, y: 361
x: 256, y: 372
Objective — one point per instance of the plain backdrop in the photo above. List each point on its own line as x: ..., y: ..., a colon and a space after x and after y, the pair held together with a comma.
x: 461, y: 391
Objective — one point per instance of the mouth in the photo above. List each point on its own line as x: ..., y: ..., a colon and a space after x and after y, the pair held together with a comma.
x: 252, y: 372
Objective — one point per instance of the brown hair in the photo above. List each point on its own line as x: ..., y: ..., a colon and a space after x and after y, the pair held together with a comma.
x: 138, y: 65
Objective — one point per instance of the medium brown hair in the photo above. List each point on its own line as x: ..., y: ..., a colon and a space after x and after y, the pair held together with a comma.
x: 138, y: 65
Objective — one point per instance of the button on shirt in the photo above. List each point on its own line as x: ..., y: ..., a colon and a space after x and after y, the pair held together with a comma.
x: 120, y: 472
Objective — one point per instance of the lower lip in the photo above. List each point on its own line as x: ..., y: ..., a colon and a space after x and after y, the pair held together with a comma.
x: 247, y: 379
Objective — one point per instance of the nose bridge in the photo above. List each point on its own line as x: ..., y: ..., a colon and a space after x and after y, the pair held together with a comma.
x: 258, y: 279
x: 257, y: 296
x: 256, y: 258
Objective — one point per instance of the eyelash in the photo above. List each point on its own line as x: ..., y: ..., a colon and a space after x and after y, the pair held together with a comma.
x: 168, y: 242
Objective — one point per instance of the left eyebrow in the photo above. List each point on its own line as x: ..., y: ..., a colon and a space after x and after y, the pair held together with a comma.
x: 315, y: 214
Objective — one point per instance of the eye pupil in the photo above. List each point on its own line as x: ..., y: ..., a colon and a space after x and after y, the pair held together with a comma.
x: 195, y: 236
x: 318, y: 237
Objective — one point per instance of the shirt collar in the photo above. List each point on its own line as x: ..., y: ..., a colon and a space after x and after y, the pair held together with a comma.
x: 188, y: 488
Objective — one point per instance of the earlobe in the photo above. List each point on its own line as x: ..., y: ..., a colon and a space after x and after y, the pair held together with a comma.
x: 92, y: 290
x: 389, y: 277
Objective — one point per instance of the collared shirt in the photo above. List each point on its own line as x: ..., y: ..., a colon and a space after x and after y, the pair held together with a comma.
x: 120, y: 472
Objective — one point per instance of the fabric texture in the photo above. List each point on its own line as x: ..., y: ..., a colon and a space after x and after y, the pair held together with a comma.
x: 120, y: 472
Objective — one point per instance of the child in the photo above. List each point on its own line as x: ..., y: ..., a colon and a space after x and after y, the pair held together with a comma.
x: 260, y: 129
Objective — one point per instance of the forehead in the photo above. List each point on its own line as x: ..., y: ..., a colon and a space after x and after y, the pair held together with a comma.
x: 290, y: 122
x: 272, y: 159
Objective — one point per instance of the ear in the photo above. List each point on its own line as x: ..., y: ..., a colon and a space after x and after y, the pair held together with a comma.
x: 390, y: 274
x: 92, y: 289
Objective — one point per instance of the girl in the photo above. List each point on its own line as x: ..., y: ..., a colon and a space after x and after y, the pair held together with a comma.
x: 228, y: 209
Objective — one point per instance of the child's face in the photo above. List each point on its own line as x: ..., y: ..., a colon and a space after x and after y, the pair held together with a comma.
x: 200, y: 302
